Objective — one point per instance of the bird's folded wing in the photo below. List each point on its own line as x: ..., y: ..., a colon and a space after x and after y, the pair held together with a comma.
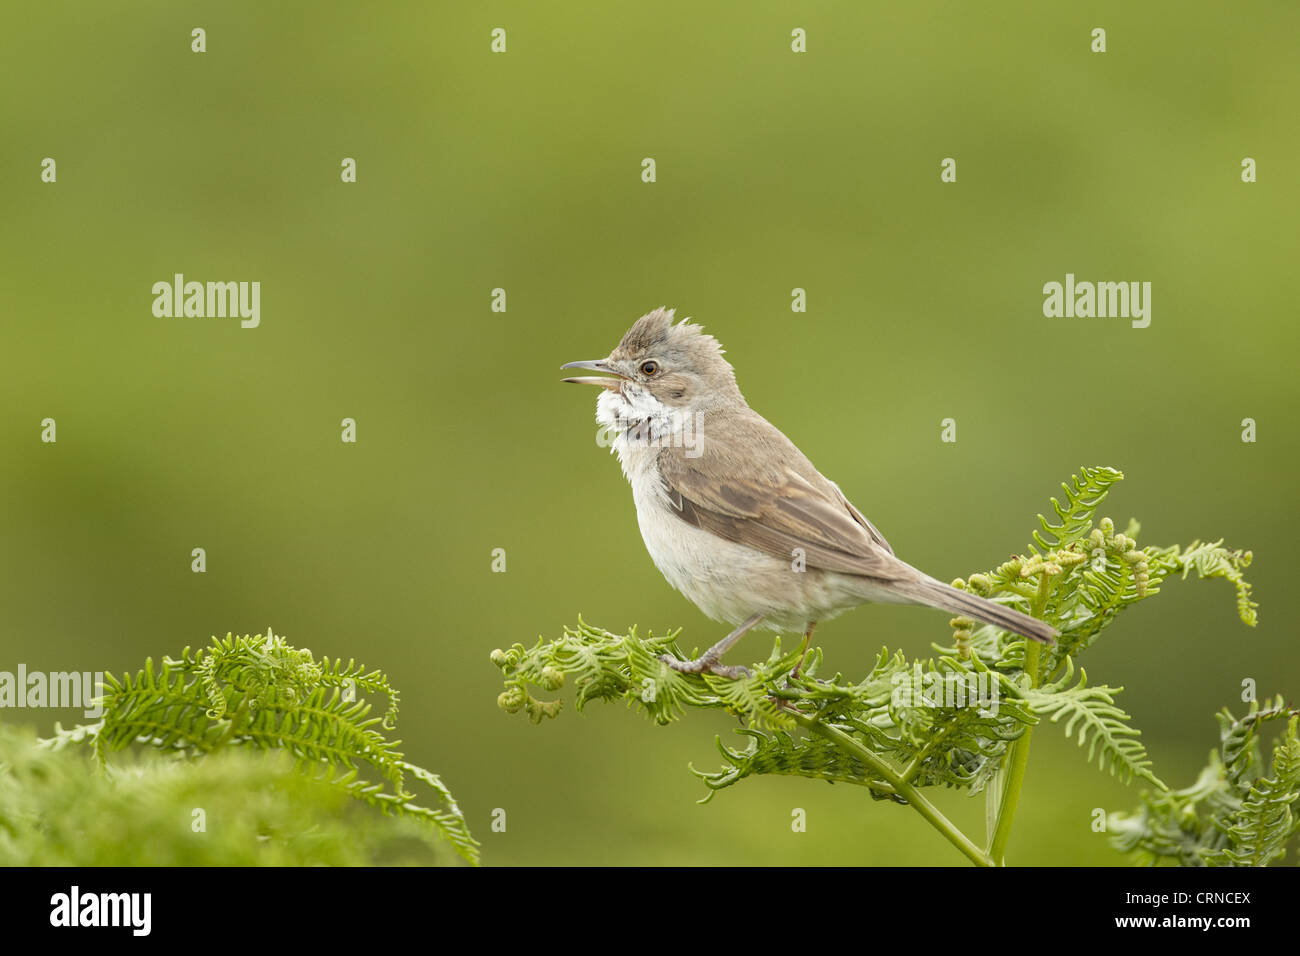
x: 779, y: 513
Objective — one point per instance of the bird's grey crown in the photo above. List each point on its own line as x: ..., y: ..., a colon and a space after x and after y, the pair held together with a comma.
x: 683, y: 346
x: 656, y: 330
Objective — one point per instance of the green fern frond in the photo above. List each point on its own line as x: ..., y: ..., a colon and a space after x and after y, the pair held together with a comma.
x: 1232, y: 815
x: 66, y: 739
x: 1168, y: 824
x: 781, y: 754
x: 260, y: 692
x: 1269, y: 815
x: 1102, y: 726
x: 1092, y: 575
x: 1239, y: 738
x: 607, y: 666
x: 749, y: 699
x: 913, y: 724
x: 237, y: 807
x: 1083, y: 494
x: 1215, y: 561
x: 955, y: 722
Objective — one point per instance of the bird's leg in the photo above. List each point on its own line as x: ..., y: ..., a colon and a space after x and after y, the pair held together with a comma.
x: 807, y: 637
x: 709, y: 660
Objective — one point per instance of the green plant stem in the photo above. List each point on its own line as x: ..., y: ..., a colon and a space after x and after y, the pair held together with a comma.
x: 1015, y: 779
x: 914, y: 765
x: 1019, y: 758
x: 915, y: 799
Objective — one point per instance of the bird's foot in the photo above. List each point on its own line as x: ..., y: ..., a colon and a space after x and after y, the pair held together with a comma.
x: 807, y: 639
x: 706, y: 664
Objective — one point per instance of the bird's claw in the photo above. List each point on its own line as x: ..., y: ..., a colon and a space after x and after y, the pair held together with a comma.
x: 705, y: 664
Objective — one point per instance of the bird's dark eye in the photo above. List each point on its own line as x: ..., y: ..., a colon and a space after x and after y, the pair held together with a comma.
x: 649, y: 368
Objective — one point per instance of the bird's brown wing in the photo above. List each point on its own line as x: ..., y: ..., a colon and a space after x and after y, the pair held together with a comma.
x: 787, y: 506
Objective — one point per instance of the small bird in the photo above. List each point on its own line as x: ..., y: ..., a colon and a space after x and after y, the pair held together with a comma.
x: 733, y: 514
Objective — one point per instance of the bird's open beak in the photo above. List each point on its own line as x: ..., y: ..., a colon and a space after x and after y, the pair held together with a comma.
x: 600, y: 365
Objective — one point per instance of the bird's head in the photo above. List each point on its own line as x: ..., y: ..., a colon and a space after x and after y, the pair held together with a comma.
x: 674, y: 367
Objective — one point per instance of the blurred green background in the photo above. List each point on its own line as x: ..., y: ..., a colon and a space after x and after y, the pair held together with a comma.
x: 522, y: 171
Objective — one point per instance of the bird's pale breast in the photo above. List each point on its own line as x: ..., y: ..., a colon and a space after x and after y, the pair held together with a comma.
x: 728, y: 581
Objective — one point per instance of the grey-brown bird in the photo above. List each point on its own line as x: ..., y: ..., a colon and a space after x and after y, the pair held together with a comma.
x: 733, y: 514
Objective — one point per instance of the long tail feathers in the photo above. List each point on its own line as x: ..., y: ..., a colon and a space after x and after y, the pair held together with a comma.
x: 936, y: 594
